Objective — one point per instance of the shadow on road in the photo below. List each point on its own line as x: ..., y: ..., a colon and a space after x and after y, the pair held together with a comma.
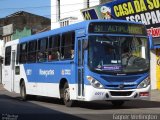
x: 13, y: 107
x: 128, y: 105
x: 98, y: 105
x: 102, y: 105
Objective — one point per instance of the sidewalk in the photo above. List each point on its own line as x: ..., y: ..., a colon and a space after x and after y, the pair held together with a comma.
x: 155, y: 94
x: 1, y: 87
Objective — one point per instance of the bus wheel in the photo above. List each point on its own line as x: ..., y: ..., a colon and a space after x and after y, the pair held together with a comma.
x: 23, y: 91
x: 117, y: 103
x: 66, y: 96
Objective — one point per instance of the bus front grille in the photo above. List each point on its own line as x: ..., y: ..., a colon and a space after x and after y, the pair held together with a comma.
x: 116, y: 87
x: 122, y: 93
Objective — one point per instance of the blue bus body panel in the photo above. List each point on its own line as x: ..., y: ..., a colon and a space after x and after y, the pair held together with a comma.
x: 156, y: 46
x: 50, y: 72
x: 113, y: 81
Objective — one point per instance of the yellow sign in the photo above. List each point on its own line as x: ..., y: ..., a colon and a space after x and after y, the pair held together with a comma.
x: 158, y: 68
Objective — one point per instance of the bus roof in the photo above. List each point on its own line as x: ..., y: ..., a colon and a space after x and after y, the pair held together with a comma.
x: 76, y: 26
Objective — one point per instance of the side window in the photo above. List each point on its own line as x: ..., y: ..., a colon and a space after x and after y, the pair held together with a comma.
x: 42, y: 50
x: 53, y: 48
x: 23, y: 53
x: 67, y: 45
x: 32, y: 47
x: 7, y: 55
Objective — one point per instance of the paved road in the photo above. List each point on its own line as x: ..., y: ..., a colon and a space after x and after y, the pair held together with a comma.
x: 48, y: 108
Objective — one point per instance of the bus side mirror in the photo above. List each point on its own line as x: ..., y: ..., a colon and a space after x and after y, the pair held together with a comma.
x: 151, y: 44
x: 85, y: 44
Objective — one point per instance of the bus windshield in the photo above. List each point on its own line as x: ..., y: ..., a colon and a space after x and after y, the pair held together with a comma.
x: 118, y: 54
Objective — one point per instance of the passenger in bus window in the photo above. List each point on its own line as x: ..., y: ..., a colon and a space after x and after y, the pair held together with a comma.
x: 72, y: 54
x: 41, y: 56
x: 58, y: 55
x: 69, y: 54
x: 54, y: 55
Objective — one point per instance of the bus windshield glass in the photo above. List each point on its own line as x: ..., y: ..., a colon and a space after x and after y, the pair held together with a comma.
x: 118, y: 54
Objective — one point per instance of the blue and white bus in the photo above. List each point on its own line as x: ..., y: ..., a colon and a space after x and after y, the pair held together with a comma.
x: 88, y: 61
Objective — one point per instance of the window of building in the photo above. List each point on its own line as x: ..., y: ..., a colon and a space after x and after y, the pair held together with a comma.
x: 67, y: 45
x: 53, y: 48
x: 23, y: 53
x: 32, y: 49
x: 42, y: 50
x: 8, y: 55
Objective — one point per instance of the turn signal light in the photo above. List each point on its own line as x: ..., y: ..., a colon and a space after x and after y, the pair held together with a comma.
x: 144, y: 94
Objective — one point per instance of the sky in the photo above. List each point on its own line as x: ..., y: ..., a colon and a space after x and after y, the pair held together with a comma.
x: 39, y: 7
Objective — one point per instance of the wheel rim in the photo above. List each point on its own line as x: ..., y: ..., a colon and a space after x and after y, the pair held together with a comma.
x: 66, y: 95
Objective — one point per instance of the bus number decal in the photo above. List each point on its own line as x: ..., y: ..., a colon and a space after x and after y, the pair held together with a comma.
x: 99, y: 93
x: 66, y: 72
x: 29, y: 72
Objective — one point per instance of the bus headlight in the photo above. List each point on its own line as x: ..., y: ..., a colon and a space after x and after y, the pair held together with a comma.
x: 144, y: 83
x: 95, y: 83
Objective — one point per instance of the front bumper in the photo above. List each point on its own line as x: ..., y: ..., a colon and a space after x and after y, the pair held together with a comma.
x: 92, y: 94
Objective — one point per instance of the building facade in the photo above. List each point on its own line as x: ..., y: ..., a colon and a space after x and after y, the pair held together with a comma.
x: 1, y: 58
x: 22, y: 24
x: 65, y: 12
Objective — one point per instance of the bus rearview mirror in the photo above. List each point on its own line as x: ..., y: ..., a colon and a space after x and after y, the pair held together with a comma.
x: 151, y: 44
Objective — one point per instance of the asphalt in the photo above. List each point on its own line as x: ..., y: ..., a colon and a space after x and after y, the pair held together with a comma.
x: 46, y: 109
x: 155, y: 94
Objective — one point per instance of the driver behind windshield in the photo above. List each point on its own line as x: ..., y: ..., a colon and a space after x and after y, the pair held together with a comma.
x: 102, y: 55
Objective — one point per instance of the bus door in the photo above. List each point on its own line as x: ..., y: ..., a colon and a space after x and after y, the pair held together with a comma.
x: 12, y: 69
x: 80, y: 68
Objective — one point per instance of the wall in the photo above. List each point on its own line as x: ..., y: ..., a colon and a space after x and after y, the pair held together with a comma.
x: 1, y: 47
x: 153, y: 70
x: 19, y: 34
x: 1, y: 55
x: 19, y: 21
x: 158, y: 67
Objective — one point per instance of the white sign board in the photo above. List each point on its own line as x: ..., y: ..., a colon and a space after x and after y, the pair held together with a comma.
x: 8, y: 29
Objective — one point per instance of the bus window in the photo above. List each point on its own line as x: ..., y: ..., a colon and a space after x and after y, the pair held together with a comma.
x: 32, y: 51
x: 7, y: 55
x: 23, y: 53
x: 67, y: 46
x: 42, y: 50
x: 53, y: 48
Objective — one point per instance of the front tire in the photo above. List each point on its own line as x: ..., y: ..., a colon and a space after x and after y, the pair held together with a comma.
x: 117, y: 103
x: 66, y: 96
x: 23, y: 91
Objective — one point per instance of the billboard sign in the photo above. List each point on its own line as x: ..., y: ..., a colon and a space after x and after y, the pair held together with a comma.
x: 144, y: 11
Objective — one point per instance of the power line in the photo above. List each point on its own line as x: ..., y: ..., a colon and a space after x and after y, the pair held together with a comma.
x: 46, y: 6
x: 55, y: 14
x: 64, y: 12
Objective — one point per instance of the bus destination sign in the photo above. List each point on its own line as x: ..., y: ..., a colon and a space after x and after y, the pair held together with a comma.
x: 117, y: 28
